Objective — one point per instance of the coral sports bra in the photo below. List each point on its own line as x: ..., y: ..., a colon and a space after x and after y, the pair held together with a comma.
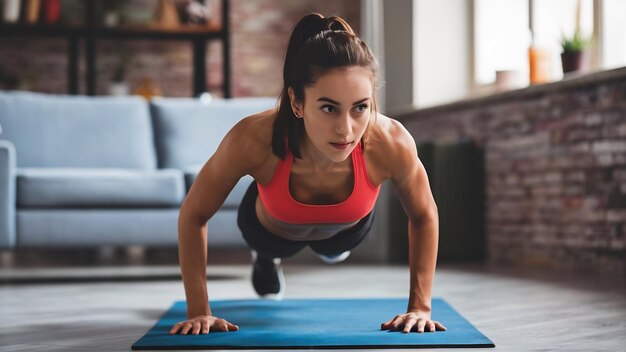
x: 281, y: 205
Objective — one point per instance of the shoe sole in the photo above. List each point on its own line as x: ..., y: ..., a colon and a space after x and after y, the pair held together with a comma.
x: 343, y: 256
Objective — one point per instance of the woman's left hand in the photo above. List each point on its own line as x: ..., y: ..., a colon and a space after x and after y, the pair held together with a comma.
x: 413, y: 321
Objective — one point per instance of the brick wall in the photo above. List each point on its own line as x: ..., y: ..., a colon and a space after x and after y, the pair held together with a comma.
x: 555, y: 159
x: 260, y: 31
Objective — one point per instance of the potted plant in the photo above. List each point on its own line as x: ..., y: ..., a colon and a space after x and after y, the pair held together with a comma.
x: 575, y: 53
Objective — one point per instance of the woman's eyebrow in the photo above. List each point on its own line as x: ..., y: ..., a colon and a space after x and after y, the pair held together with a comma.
x: 338, y: 103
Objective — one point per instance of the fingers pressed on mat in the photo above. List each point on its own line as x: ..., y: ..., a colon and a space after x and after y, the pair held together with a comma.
x: 175, y: 328
x: 186, y: 327
x: 196, y: 327
x: 409, y: 323
x: 420, y: 326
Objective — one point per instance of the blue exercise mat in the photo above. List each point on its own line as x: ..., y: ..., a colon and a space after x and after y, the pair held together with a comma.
x: 313, y: 323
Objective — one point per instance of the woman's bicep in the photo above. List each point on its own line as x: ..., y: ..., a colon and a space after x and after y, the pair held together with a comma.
x: 410, y: 179
x: 218, y: 177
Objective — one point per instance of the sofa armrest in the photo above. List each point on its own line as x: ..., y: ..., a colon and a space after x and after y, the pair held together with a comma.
x: 7, y: 194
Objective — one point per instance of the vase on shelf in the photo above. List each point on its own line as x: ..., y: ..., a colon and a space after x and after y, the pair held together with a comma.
x: 507, y: 80
x: 11, y: 11
x: 31, y: 11
x: 538, y: 64
x: 147, y: 88
x: 119, y: 88
x: 166, y: 15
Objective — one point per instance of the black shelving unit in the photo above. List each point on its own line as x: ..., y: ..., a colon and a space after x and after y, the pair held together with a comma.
x: 90, y: 33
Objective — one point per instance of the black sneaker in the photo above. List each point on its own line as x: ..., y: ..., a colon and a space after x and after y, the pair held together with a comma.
x: 268, y: 279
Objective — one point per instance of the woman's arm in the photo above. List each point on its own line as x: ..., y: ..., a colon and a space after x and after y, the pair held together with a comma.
x: 423, y: 241
x: 411, y: 181
x: 192, y: 254
x: 232, y: 160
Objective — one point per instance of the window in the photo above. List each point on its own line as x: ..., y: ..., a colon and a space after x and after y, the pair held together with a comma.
x: 501, y: 38
x: 502, y: 35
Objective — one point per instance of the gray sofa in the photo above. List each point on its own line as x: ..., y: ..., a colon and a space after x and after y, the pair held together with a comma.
x: 93, y: 171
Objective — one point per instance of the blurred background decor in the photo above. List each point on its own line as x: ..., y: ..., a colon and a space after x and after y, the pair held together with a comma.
x: 8, y: 79
x: 166, y: 15
x: 194, y: 12
x: 119, y: 83
x: 575, y: 55
x: 147, y: 88
x: 538, y: 64
x: 32, y: 9
x: 112, y: 12
x: 11, y: 11
x: 52, y: 11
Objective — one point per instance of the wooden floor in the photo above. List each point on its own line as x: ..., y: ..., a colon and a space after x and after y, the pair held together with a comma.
x: 109, y: 308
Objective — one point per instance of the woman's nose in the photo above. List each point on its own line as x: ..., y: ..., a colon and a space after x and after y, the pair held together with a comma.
x: 343, y: 126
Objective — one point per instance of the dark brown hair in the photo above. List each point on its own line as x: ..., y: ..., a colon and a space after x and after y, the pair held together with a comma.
x: 317, y: 45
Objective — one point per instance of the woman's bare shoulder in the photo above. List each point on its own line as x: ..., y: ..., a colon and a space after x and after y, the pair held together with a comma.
x: 257, y: 128
x: 388, y: 142
x: 254, y: 136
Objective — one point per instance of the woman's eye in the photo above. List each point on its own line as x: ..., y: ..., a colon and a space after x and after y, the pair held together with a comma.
x: 328, y: 107
x: 362, y: 108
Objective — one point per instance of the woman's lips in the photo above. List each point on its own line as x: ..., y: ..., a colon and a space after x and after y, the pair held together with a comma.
x: 340, y: 146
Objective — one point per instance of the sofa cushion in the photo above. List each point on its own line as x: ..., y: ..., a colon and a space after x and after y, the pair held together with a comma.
x: 72, y: 187
x: 188, y: 132
x: 78, y: 131
x: 236, y: 195
x: 65, y: 228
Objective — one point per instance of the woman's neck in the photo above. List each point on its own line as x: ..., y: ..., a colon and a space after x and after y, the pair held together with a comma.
x: 315, y: 160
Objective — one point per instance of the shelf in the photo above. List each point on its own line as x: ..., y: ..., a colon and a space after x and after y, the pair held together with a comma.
x: 186, y: 28
x: 183, y: 32
x: 90, y: 34
x: 41, y: 30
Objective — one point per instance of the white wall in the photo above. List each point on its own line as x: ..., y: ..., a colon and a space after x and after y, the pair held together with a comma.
x: 398, y: 37
x: 441, y: 46
x: 428, y: 58
x: 373, y: 32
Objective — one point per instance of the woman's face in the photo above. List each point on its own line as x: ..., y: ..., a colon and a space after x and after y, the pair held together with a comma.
x: 336, y: 111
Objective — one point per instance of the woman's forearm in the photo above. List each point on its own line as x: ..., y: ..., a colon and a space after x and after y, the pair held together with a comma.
x: 192, y: 254
x: 423, y: 244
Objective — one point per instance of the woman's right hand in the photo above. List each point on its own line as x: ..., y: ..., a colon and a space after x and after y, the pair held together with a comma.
x: 202, y: 324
